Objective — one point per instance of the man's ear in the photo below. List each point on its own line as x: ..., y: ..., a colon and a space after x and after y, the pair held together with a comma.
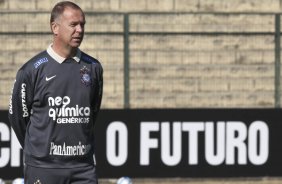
x: 54, y: 28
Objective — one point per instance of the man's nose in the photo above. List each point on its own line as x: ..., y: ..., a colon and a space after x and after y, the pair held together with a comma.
x: 79, y: 28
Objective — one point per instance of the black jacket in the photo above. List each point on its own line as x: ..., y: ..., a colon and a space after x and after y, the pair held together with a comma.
x: 53, y: 109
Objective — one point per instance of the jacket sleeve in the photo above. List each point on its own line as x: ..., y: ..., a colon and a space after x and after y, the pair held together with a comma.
x: 98, y: 91
x: 20, y: 105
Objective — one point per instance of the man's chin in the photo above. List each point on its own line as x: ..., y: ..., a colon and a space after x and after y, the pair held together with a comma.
x: 75, y: 44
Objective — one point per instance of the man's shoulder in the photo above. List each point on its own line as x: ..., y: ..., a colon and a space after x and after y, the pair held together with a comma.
x: 88, y: 59
x: 36, y: 61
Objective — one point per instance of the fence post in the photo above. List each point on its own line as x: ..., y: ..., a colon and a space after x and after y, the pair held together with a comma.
x: 277, y: 60
x: 126, y: 61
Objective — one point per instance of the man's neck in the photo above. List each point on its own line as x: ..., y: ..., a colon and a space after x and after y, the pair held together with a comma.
x: 65, y: 52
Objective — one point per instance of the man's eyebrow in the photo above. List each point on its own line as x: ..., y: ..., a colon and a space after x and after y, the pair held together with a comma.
x: 78, y: 22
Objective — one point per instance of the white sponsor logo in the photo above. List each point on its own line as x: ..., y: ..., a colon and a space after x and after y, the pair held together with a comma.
x: 68, y: 150
x: 23, y: 95
x: 49, y: 78
x: 62, y: 113
x: 11, y: 100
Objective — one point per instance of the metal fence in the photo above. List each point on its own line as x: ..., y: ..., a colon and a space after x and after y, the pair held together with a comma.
x: 165, y: 60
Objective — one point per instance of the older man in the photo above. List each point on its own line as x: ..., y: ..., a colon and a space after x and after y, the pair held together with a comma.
x: 54, y: 104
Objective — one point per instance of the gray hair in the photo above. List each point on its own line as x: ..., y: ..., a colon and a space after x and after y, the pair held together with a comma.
x: 60, y: 7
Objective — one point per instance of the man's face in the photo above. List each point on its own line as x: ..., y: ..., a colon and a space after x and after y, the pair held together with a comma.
x: 70, y: 28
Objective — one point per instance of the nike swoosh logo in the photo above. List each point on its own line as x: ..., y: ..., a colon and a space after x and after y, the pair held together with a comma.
x: 49, y: 78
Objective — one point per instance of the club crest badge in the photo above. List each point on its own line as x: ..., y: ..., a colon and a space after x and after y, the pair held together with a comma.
x: 85, y: 76
x: 37, y: 182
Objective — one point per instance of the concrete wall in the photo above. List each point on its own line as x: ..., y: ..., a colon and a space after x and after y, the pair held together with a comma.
x: 151, y: 5
x: 182, y: 70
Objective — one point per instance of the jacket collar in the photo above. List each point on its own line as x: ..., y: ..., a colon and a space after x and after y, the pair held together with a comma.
x: 61, y: 59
